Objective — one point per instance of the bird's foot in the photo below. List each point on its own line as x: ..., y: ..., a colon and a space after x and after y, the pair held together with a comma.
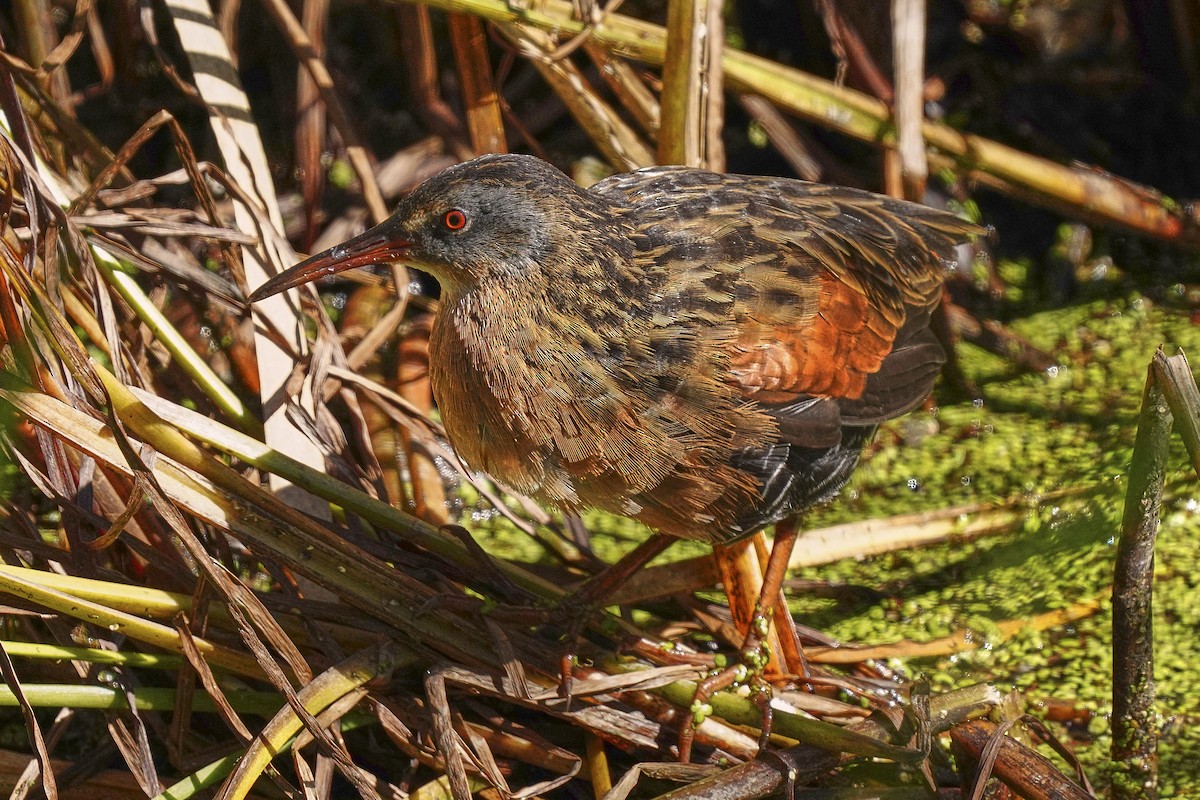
x: 749, y: 672
x: 576, y: 610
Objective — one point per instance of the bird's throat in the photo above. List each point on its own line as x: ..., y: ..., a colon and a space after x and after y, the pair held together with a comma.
x: 487, y: 372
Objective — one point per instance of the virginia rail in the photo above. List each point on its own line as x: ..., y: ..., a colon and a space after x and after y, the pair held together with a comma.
x: 705, y: 353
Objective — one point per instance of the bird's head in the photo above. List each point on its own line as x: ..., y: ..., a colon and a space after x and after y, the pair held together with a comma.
x: 492, y: 218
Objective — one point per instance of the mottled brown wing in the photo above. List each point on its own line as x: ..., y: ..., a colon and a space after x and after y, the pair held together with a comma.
x: 831, y: 288
x: 832, y: 355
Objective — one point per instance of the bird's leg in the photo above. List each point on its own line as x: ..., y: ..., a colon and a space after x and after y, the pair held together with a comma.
x: 597, y: 588
x: 579, y: 604
x: 742, y: 576
x: 754, y: 655
x: 771, y: 600
x: 740, y: 565
x: 787, y: 531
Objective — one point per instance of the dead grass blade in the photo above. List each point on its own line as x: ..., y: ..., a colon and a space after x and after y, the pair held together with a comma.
x: 310, y: 127
x: 782, y: 136
x: 630, y: 89
x: 202, y: 671
x: 356, y: 151
x: 32, y: 727
x: 611, y: 135
x: 339, y: 681
x: 958, y: 643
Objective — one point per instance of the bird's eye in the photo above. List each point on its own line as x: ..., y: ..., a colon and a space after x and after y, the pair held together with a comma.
x: 454, y: 220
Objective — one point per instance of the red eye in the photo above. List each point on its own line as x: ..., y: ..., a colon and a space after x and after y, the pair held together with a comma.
x: 454, y: 220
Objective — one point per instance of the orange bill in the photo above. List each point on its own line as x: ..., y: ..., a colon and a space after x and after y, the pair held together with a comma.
x: 375, y: 246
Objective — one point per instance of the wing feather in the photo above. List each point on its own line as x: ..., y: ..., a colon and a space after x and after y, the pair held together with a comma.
x: 810, y: 302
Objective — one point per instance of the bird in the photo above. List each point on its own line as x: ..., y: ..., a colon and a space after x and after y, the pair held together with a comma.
x: 706, y: 353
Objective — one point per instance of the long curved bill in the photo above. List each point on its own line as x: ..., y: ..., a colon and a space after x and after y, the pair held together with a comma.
x: 371, y: 247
